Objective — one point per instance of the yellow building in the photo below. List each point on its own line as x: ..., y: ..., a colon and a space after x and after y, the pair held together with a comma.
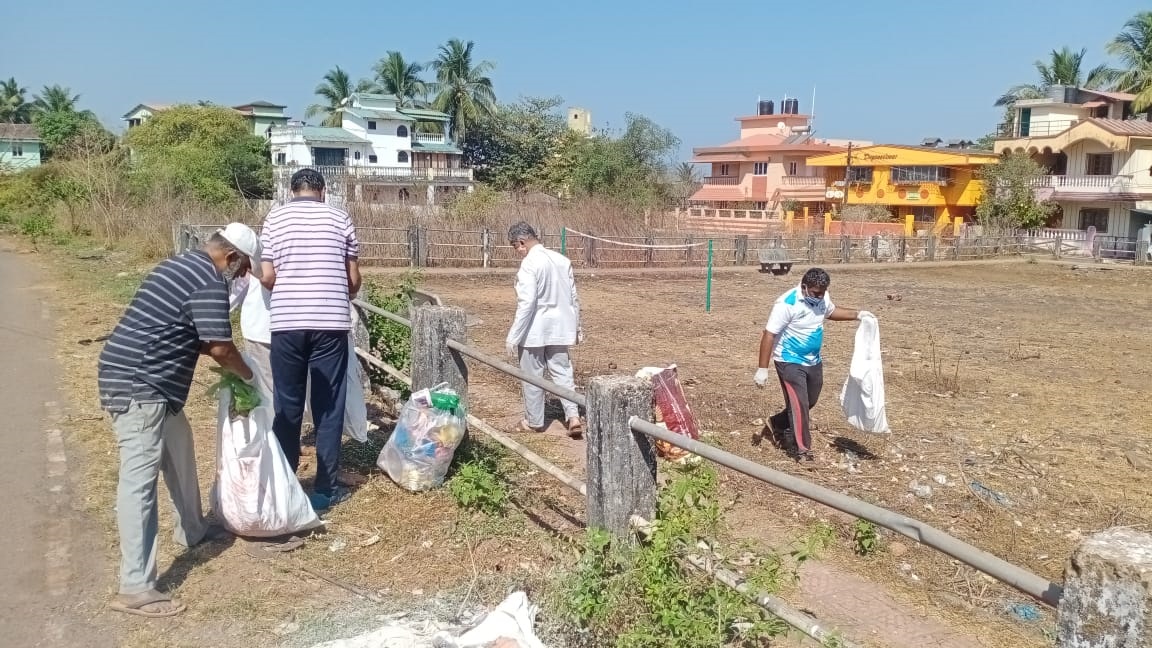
x: 932, y: 185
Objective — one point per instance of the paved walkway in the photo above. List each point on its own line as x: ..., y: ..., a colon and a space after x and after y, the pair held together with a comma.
x: 51, y: 569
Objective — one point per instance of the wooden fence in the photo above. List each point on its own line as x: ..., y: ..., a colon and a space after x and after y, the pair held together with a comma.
x: 1105, y: 600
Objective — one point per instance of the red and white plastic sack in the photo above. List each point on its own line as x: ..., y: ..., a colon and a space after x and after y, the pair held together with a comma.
x: 256, y: 493
x: 862, y: 396
x: 671, y: 410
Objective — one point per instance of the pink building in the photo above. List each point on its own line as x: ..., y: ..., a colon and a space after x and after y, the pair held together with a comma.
x: 752, y: 178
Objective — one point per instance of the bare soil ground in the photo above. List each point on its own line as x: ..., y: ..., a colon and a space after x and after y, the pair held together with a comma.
x: 1023, y: 387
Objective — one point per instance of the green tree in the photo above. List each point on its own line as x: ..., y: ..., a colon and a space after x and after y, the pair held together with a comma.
x: 55, y: 99
x: 631, y: 169
x: 510, y: 148
x: 1063, y: 67
x: 58, y: 128
x: 463, y: 88
x: 1133, y: 46
x: 401, y: 79
x: 205, y: 152
x: 1009, y: 200
x: 14, y: 108
x: 334, y: 90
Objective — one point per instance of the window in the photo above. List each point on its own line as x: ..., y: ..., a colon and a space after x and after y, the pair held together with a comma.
x: 356, y: 155
x: 281, y: 158
x: 17, y: 150
x: 919, y: 174
x: 1025, y: 121
x: 723, y: 169
x: 1094, y: 217
x: 371, y: 125
x: 862, y: 175
x: 759, y: 168
x: 401, y: 131
x: 762, y: 206
x: 372, y: 159
x: 1098, y: 164
x: 402, y: 157
x: 791, y: 168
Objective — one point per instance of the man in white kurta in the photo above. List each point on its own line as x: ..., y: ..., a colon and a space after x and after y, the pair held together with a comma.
x: 547, y: 323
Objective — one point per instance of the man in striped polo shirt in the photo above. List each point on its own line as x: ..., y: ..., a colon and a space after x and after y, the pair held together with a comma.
x: 145, y: 373
x: 310, y: 265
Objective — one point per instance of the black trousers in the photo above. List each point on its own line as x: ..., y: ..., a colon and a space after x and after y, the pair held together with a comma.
x: 802, y: 386
x: 323, y: 356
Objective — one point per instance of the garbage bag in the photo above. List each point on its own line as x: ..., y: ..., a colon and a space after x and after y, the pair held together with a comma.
x: 420, y: 450
x: 355, y: 405
x: 256, y: 492
x: 671, y: 410
x: 862, y: 396
x: 511, y: 621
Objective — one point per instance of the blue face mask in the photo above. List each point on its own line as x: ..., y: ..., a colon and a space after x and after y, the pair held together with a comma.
x: 813, y: 302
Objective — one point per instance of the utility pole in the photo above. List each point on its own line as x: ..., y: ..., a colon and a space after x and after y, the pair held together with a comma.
x: 847, y: 175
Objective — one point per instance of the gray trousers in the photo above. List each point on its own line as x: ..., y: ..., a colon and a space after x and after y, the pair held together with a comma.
x: 261, y: 355
x: 153, y: 442
x: 533, y: 360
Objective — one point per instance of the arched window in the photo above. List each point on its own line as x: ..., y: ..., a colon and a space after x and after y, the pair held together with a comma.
x: 401, y: 131
x: 402, y: 157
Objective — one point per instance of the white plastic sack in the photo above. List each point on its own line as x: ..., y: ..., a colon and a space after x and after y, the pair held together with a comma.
x: 256, y: 493
x: 862, y: 396
x: 512, y: 620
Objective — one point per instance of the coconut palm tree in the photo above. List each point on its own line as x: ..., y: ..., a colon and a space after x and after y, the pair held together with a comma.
x: 13, y: 106
x: 1133, y: 47
x: 55, y: 99
x: 1064, y: 67
x: 337, y: 87
x: 463, y: 88
x: 401, y: 79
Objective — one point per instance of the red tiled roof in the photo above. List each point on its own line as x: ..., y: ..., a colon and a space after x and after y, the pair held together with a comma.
x: 18, y: 132
x: 1130, y: 127
x: 719, y: 192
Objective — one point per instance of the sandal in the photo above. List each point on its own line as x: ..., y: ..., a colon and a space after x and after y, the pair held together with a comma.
x: 575, y: 428
x: 137, y: 603
x: 264, y: 549
x: 526, y: 428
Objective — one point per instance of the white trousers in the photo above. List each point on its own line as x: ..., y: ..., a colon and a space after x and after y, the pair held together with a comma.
x: 533, y: 360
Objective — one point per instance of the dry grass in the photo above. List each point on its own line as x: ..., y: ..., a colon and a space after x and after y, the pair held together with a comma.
x: 997, y: 382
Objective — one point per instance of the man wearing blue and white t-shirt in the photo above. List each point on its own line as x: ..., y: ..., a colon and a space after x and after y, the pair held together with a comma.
x: 792, y: 340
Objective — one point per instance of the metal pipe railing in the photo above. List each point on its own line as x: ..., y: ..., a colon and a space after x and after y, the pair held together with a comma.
x: 382, y: 313
x: 516, y: 372
x: 1023, y: 580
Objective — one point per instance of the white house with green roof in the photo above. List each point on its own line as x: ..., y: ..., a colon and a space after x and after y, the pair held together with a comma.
x: 20, y: 147
x: 376, y: 154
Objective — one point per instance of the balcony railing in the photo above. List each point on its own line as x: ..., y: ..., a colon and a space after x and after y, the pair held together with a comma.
x: 728, y: 181
x: 1078, y: 181
x: 383, y: 174
x: 429, y: 138
x: 802, y: 181
x: 1036, y: 128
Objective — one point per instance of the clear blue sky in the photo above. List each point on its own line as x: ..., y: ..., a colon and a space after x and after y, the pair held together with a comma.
x: 888, y: 71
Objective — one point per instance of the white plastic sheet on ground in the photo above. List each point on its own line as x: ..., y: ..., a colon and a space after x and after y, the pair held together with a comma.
x: 256, y: 494
x: 511, y: 622
x: 862, y: 396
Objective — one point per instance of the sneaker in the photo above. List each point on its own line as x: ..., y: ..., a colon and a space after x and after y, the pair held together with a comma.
x: 321, y: 502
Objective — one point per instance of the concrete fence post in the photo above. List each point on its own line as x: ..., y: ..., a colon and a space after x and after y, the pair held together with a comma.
x: 432, y: 361
x: 621, y: 463
x: 742, y: 249
x: 648, y: 256
x: 903, y: 254
x: 875, y: 252
x: 1058, y: 246
x: 590, y: 251
x: 931, y: 253
x: 845, y: 249
x: 1141, y: 253
x: 812, y: 248
x: 689, y: 247
x: 1107, y: 600
x: 486, y: 248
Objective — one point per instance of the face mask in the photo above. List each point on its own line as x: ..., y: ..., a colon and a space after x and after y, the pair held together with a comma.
x: 233, y: 269
x: 813, y: 302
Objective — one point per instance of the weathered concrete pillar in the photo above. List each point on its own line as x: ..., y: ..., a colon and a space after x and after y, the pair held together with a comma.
x: 1107, y: 599
x: 432, y: 361
x: 621, y: 463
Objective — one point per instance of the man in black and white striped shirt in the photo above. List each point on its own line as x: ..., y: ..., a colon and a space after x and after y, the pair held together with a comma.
x: 145, y: 373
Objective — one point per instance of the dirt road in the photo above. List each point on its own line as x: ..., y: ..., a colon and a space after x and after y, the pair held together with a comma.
x: 51, y: 569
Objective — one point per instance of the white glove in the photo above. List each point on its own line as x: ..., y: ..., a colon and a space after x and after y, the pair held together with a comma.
x: 762, y: 376
x: 513, y: 350
x: 864, y: 315
x: 580, y: 335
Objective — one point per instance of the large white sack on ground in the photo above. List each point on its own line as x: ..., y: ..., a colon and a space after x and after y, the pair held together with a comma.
x: 512, y: 620
x: 256, y: 493
x: 862, y: 396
